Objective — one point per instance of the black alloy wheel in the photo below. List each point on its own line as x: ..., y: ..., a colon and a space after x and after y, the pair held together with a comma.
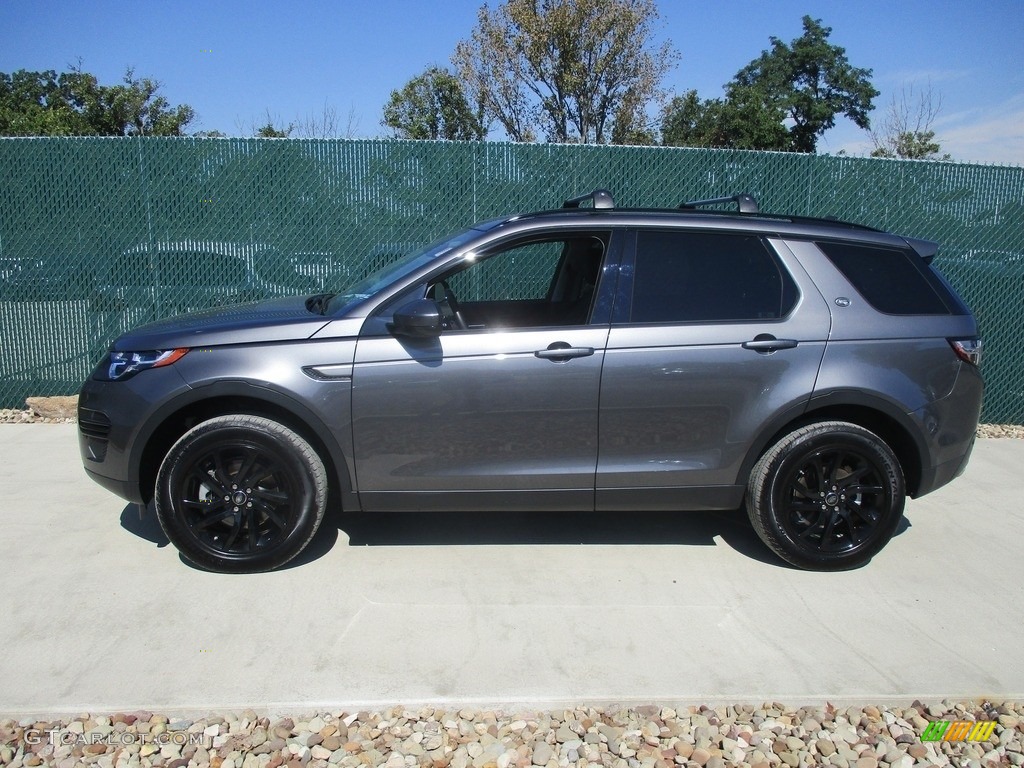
x: 241, y: 494
x: 828, y: 496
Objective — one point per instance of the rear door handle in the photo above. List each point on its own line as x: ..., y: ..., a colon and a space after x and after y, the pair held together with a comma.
x: 766, y: 343
x: 560, y: 351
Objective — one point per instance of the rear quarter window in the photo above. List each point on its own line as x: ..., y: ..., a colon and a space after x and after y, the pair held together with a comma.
x: 892, y: 280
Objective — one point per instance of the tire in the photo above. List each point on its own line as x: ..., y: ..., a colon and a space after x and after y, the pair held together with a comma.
x: 241, y: 494
x: 827, y: 497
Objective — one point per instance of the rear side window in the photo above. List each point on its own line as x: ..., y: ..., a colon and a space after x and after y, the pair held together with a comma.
x: 892, y: 280
x: 706, y: 277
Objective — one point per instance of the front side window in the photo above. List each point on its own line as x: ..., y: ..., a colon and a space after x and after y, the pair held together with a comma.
x: 542, y: 281
x: 707, y: 277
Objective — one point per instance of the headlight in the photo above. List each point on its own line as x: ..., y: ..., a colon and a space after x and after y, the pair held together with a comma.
x: 123, y: 365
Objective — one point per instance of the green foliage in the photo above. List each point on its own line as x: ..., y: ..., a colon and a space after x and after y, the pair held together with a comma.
x: 73, y: 103
x: 912, y: 145
x: 810, y: 81
x: 270, y: 131
x: 783, y: 100
x: 906, y: 131
x: 738, y: 123
x: 432, y: 105
x: 570, y: 70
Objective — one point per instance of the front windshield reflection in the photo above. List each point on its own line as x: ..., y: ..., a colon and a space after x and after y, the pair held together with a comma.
x: 395, y: 271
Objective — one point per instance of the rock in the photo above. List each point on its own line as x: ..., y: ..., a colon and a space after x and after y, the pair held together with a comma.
x: 430, y: 743
x: 65, y: 407
x: 700, y: 756
x: 917, y: 751
x: 541, y: 753
x: 825, y: 747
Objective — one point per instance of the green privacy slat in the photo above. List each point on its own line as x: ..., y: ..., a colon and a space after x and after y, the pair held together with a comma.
x: 100, y: 234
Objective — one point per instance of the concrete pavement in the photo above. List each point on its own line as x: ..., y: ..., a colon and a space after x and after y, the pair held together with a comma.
x: 525, y: 610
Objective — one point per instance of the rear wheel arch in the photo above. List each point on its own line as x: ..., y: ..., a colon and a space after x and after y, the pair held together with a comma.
x: 861, y: 409
x: 205, y: 403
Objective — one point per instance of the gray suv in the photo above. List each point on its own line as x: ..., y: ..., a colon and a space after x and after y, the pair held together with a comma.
x: 585, y: 358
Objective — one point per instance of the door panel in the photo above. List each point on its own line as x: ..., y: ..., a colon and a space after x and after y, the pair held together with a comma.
x: 480, y: 413
x: 684, y: 414
x: 682, y: 403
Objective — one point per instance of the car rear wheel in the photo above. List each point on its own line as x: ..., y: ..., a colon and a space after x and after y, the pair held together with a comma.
x: 827, y: 496
x: 241, y: 494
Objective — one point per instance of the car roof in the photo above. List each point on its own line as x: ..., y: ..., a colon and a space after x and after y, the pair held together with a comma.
x: 697, y: 214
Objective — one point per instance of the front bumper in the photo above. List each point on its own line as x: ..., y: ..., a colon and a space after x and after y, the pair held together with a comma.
x: 115, y: 418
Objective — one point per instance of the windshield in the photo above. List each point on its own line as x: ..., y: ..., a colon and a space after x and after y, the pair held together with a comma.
x: 395, y: 271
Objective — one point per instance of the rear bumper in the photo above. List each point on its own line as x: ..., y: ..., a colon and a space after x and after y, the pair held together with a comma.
x: 951, y: 426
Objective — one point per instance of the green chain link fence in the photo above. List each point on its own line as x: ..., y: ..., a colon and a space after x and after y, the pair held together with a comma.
x: 98, y: 235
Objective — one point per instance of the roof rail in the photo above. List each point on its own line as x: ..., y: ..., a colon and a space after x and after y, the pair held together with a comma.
x: 745, y: 203
x: 601, y: 198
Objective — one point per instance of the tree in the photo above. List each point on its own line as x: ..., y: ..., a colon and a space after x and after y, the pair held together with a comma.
x: 571, y: 70
x: 809, y: 82
x: 325, y: 124
x: 73, y: 103
x: 328, y: 124
x: 907, y: 131
x: 270, y: 131
x: 689, y: 121
x: 743, y: 122
x: 432, y: 105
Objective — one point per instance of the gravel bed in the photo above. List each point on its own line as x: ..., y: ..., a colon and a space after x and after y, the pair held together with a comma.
x: 768, y: 736
x: 14, y: 416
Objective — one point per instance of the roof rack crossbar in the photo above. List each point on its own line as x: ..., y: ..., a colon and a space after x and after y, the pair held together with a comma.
x: 600, y: 198
x: 745, y: 203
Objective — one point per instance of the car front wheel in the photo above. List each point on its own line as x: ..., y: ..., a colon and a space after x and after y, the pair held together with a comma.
x: 827, y: 496
x: 241, y: 494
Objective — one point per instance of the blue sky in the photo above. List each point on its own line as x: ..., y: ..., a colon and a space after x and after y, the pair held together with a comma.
x: 235, y: 61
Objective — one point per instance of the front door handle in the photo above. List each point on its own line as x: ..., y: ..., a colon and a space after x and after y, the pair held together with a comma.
x: 560, y: 351
x: 765, y: 343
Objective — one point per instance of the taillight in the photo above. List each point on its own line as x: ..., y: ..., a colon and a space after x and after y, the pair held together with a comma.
x: 968, y: 350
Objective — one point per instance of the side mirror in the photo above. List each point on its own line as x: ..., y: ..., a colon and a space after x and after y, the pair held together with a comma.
x: 420, y: 318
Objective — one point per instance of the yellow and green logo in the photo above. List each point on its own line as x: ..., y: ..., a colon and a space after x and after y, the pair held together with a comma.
x: 959, y: 730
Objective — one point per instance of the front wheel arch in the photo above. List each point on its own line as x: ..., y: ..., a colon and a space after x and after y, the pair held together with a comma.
x: 204, y: 403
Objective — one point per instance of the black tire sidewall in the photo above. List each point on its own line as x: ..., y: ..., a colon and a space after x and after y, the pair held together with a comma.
x: 293, y: 453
